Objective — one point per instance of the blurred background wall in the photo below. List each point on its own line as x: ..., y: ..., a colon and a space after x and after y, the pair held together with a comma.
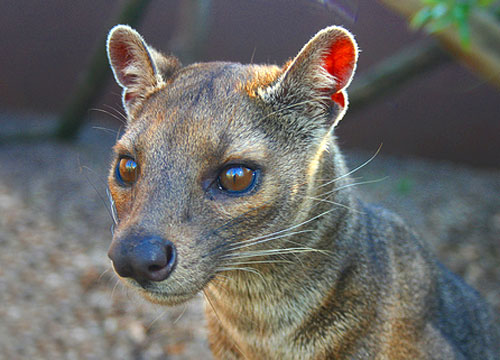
x: 447, y: 113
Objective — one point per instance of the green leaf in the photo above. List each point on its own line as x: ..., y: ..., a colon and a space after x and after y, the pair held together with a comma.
x: 437, y: 15
x: 486, y: 3
x: 439, y: 10
x: 464, y: 33
x: 439, y: 24
x: 421, y: 18
x: 431, y: 2
x: 461, y: 13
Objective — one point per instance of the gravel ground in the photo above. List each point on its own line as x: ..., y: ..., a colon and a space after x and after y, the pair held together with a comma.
x: 59, y: 299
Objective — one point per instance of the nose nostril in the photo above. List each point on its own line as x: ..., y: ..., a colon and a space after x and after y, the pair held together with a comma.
x: 163, y: 267
x: 150, y: 259
x: 155, y: 268
x: 170, y: 253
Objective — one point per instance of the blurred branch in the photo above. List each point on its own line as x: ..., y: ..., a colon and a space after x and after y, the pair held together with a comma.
x: 483, y: 53
x: 95, y: 77
x: 189, y: 42
x: 394, y: 71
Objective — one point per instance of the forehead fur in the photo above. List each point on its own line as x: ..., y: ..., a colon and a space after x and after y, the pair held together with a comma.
x: 211, y: 109
x: 205, y: 106
x: 260, y: 77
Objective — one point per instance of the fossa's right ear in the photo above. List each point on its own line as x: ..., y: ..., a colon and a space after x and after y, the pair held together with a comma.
x: 315, y: 81
x: 138, y: 68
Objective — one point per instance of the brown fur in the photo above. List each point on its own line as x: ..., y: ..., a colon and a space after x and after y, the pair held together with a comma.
x: 297, y: 267
x: 262, y: 77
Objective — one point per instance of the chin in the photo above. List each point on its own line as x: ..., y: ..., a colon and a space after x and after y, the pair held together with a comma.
x: 164, y: 298
x: 158, y: 296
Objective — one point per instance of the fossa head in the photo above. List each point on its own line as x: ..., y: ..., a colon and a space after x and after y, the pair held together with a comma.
x: 215, y: 157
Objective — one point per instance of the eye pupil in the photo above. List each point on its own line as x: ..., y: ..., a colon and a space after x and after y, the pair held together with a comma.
x: 130, y: 165
x: 127, y: 171
x: 235, y: 174
x: 236, y: 179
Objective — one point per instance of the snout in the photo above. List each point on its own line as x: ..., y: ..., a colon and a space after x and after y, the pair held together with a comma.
x: 143, y: 258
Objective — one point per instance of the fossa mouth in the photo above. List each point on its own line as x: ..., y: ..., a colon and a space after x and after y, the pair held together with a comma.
x: 165, y: 298
x: 152, y: 292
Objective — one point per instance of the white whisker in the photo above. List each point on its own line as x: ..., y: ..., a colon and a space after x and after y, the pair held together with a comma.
x: 354, y: 170
x: 248, y: 269
x: 250, y: 254
x: 251, y: 262
x: 112, y: 207
x: 162, y: 314
x: 182, y: 313
x: 109, y: 113
x: 334, y: 203
x: 111, y: 131
x: 353, y: 184
x: 256, y: 241
x: 120, y: 113
x: 287, y: 229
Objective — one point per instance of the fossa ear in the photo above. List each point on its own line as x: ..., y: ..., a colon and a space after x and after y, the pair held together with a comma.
x: 138, y: 68
x: 314, y: 82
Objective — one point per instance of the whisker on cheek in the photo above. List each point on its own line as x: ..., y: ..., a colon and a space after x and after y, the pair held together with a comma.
x: 351, y: 185
x: 181, y: 314
x: 353, y: 170
x: 112, y: 206
x: 260, y: 240
x: 247, y: 269
x: 162, y: 314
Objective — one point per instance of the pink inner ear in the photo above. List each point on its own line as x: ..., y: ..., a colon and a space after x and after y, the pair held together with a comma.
x: 122, y: 58
x: 339, y: 98
x: 339, y: 62
x: 129, y: 96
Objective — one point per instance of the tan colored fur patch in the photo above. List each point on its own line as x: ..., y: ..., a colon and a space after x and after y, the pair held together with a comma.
x: 262, y: 77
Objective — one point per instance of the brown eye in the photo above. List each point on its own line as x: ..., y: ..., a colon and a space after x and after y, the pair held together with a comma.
x: 237, y: 179
x: 127, y: 171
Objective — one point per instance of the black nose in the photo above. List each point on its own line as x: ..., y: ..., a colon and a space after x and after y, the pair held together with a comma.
x: 143, y: 258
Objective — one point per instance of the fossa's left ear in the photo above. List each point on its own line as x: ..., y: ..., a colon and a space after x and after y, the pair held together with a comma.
x: 315, y: 81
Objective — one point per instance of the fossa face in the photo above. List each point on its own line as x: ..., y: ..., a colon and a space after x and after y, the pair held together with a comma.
x: 217, y: 159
